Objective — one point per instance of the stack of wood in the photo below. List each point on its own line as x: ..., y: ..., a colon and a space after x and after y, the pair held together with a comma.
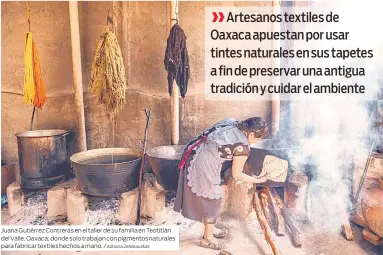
x: 374, y: 171
x: 371, y: 182
x: 274, y: 215
x: 273, y: 212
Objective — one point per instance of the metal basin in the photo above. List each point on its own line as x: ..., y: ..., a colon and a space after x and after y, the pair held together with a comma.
x: 42, y: 157
x: 164, y: 162
x: 107, y: 172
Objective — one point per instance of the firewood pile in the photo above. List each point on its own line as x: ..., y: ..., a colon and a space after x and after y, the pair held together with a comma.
x: 281, y: 206
x: 280, y: 215
x: 368, y: 211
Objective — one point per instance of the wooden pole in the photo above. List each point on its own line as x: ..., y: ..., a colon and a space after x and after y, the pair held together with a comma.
x: 29, y: 30
x: 148, y: 117
x: 77, y: 74
x: 275, y: 98
x: 175, y: 98
x: 33, y: 117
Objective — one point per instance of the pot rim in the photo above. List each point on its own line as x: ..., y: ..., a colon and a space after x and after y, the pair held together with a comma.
x: 86, y: 155
x: 150, y: 153
x: 43, y: 133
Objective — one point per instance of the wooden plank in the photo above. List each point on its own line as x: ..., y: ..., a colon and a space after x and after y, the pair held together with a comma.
x: 280, y: 228
x: 263, y: 223
x: 266, y: 207
x: 346, y: 228
x: 287, y: 217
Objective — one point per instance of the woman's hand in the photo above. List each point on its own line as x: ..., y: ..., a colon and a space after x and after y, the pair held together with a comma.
x: 237, y: 172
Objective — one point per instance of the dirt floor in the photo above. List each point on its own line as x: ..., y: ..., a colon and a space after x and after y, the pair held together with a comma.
x: 244, y: 238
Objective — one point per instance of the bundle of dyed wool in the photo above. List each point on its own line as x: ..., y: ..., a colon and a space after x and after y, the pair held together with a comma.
x: 34, y: 90
x: 177, y: 60
x: 108, y: 79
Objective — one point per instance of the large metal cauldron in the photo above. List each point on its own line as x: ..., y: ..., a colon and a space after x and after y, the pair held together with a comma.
x: 164, y: 162
x: 107, y: 172
x: 42, y: 157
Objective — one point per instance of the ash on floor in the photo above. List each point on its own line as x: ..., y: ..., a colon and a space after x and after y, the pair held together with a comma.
x: 245, y: 237
x: 102, y: 211
x: 34, y: 211
x: 175, y: 218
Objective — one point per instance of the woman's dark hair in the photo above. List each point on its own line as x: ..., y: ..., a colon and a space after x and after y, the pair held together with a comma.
x: 257, y: 125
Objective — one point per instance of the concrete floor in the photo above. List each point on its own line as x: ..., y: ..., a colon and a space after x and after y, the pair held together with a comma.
x: 247, y: 238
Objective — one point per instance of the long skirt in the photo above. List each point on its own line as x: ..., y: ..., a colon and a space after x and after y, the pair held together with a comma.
x: 195, y: 207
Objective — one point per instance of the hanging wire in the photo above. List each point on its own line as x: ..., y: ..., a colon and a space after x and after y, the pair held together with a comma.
x: 109, y: 21
x: 176, y: 12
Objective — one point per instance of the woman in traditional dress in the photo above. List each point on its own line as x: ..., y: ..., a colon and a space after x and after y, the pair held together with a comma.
x: 199, y: 191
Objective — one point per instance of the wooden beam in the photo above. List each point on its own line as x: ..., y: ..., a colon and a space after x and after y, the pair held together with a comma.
x: 175, y: 98
x: 77, y: 75
x: 275, y: 98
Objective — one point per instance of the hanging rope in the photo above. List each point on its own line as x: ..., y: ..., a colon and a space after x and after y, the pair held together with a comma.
x: 108, y: 81
x: 176, y: 59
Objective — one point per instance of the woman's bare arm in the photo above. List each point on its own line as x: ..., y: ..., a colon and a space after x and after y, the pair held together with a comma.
x: 239, y: 175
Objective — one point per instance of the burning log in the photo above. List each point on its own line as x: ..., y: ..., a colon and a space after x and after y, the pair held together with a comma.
x: 346, y: 228
x: 280, y: 228
x: 265, y: 204
x: 372, y: 238
x: 263, y: 223
x: 287, y: 217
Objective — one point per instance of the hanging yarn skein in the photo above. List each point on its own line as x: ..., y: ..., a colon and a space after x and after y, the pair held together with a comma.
x: 108, y: 81
x: 29, y: 90
x: 176, y: 60
x: 33, y: 91
x: 40, y: 93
